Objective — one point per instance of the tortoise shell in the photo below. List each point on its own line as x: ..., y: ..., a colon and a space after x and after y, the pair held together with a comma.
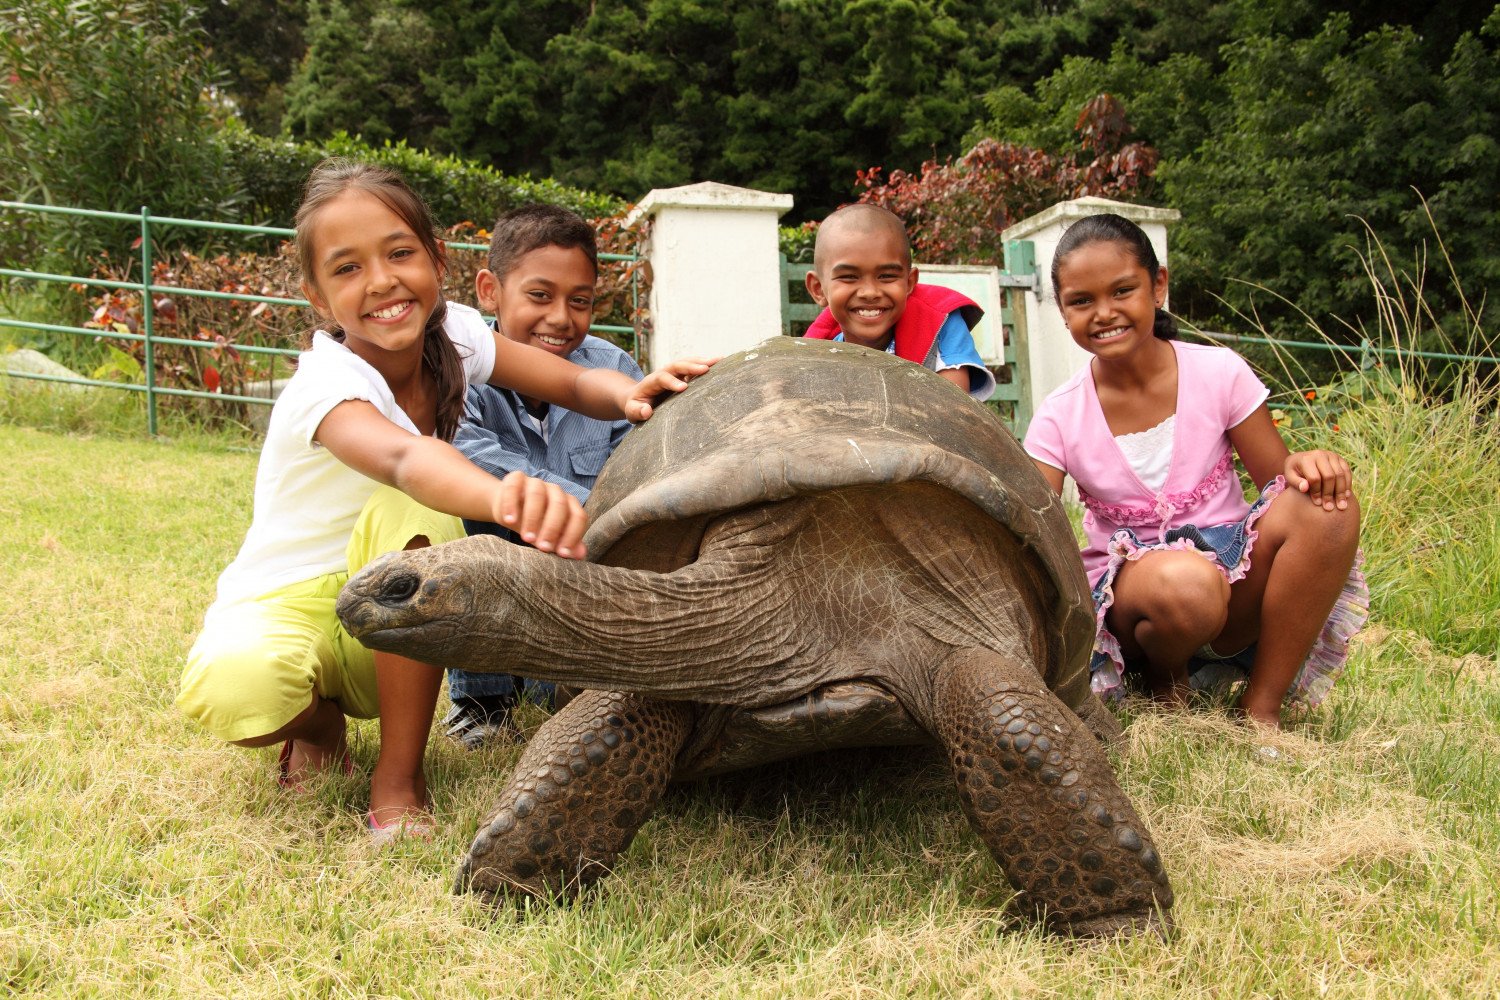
x: 793, y: 417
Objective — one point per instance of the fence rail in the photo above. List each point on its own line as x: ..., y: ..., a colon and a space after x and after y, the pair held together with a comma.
x: 1017, y: 279
x: 1364, y: 348
x: 149, y: 290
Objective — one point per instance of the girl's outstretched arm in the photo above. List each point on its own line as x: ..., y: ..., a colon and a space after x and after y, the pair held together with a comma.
x: 1322, y: 475
x: 437, y: 475
x: 595, y: 392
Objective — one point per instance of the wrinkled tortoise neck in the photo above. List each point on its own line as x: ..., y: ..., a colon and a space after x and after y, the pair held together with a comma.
x: 714, y: 630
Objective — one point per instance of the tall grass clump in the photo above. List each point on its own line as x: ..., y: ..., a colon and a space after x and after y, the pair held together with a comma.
x: 1423, y: 437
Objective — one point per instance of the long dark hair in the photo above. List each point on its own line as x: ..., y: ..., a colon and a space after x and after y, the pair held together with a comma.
x: 332, y: 178
x: 1109, y: 228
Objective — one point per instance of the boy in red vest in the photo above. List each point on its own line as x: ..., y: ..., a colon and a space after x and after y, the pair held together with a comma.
x: 862, y: 276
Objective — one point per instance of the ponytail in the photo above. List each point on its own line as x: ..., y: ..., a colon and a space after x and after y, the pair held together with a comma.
x: 440, y: 357
x: 1164, y: 327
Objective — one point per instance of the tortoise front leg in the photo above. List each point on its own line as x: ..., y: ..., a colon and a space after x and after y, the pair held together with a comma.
x: 586, y: 782
x: 1040, y: 793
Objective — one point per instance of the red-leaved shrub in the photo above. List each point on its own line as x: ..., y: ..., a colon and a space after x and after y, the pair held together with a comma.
x: 955, y: 211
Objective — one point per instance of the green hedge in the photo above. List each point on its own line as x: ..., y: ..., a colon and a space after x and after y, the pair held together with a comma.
x: 273, y: 171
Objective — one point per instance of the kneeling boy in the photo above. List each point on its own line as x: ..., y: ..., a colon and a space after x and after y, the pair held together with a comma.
x: 543, y: 264
x: 862, y: 276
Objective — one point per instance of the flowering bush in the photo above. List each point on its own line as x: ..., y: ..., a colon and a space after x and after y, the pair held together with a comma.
x: 223, y: 326
x: 955, y: 211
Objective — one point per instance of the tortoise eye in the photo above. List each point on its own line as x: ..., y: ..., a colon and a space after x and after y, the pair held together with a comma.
x: 399, y: 589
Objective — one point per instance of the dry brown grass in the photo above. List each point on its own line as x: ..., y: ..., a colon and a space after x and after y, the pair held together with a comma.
x: 140, y: 857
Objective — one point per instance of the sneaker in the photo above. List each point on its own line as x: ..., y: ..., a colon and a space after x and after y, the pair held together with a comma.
x: 475, y: 722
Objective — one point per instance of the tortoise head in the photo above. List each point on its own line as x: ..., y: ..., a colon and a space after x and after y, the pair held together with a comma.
x: 424, y: 603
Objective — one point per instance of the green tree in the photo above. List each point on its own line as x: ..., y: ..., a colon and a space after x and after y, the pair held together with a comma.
x: 362, y: 73
x: 1287, y: 147
x: 258, y: 44
x: 1321, y: 137
x: 104, y: 106
x: 625, y: 95
x: 497, y: 93
x: 794, y: 95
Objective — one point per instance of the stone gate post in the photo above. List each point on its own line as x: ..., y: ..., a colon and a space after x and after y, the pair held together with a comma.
x: 715, y: 268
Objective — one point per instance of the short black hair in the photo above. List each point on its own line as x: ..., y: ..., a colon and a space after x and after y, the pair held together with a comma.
x: 530, y: 227
x: 866, y: 218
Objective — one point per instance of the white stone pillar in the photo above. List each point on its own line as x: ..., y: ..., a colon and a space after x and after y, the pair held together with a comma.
x: 715, y: 268
x: 1051, y: 355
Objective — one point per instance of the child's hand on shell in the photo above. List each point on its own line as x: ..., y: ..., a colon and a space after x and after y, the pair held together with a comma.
x: 1323, y: 476
x: 651, y: 389
x: 545, y: 515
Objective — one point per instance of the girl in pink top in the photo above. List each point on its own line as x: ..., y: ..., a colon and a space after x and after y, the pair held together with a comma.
x: 1149, y: 431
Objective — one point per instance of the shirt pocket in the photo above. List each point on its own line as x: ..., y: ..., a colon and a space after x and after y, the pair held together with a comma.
x: 586, y: 461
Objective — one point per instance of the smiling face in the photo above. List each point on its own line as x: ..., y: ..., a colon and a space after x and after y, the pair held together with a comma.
x: 371, y: 276
x: 545, y: 300
x: 863, y: 276
x: 1109, y: 299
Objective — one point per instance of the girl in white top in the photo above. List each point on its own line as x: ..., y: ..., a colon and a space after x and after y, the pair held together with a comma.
x: 374, y: 401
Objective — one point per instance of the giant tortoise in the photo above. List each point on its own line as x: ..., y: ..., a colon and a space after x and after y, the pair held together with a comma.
x: 814, y: 546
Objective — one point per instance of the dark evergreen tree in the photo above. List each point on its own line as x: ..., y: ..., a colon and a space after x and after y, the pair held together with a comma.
x: 362, y: 73
x: 258, y: 44
x: 1287, y: 149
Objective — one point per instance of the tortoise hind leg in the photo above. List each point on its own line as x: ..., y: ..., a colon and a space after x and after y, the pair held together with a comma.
x: 585, y: 783
x: 1040, y: 793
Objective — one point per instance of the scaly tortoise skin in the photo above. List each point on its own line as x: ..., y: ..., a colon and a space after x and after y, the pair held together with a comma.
x: 814, y: 546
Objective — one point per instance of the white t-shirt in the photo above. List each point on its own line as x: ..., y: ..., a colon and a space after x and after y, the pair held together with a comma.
x: 306, y: 501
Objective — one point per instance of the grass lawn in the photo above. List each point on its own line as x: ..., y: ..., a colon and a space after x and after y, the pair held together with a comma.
x: 139, y: 856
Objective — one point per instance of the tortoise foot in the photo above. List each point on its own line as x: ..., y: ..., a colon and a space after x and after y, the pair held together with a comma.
x: 1157, y: 923
x: 587, y: 781
x: 1039, y: 791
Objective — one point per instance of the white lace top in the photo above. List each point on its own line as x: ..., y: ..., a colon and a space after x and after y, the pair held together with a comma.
x: 1149, y: 452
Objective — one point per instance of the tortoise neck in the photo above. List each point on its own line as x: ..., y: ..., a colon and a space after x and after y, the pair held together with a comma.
x: 720, y: 629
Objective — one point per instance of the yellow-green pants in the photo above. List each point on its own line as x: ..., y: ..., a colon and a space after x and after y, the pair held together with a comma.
x: 256, y: 664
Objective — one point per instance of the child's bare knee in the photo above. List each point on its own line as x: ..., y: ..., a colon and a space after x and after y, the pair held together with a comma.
x: 1332, y: 531
x: 1184, y: 590
x: 1187, y: 576
x: 1347, y: 522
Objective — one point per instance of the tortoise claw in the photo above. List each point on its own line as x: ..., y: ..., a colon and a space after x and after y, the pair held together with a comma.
x: 1151, y: 923
x: 587, y: 781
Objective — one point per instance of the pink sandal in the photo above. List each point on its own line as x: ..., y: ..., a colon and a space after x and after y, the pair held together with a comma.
x: 407, y: 826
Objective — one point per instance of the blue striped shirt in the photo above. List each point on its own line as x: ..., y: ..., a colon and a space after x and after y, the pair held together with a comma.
x: 569, y: 449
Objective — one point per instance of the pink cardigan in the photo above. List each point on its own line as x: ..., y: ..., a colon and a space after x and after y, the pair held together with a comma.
x: 1215, y: 391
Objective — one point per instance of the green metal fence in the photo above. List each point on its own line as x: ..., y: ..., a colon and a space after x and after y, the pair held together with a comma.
x: 150, y: 339
x: 1018, y: 278
x: 1366, y: 351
